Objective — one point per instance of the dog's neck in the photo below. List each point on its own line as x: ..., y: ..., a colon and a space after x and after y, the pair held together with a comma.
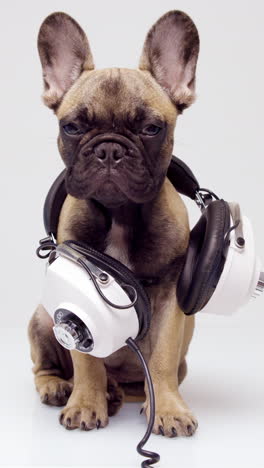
x: 126, y: 215
x: 132, y: 215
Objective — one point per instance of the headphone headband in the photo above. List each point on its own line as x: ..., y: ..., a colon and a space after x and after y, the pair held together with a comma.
x: 179, y: 174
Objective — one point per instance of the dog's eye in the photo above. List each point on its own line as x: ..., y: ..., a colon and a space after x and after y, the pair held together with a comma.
x: 151, y: 130
x: 72, y: 129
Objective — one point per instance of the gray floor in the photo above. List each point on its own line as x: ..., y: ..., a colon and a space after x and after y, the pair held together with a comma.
x: 224, y: 387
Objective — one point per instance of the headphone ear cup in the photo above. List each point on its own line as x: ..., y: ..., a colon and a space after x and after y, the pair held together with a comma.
x: 205, y: 258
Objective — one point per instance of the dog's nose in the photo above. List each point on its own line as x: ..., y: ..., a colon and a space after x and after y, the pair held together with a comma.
x: 109, y: 151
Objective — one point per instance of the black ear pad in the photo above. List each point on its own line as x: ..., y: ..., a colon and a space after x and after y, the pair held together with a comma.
x: 122, y: 275
x: 205, y: 258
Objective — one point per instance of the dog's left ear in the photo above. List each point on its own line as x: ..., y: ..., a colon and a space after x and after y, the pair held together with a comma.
x: 170, y: 54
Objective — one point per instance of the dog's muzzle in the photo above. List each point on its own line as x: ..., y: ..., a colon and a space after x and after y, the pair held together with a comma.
x: 110, y: 148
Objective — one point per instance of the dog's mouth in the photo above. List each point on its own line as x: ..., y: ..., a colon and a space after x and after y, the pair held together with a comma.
x: 113, y: 170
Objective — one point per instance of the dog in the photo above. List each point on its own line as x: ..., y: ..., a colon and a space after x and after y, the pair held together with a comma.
x: 116, y: 130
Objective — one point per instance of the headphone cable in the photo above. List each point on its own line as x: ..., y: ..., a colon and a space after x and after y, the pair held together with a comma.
x: 153, y: 457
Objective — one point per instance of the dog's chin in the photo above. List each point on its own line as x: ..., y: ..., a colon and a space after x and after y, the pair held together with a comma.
x: 110, y: 196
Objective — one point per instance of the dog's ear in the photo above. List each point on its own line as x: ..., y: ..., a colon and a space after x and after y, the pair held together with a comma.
x: 170, y: 54
x: 64, y: 53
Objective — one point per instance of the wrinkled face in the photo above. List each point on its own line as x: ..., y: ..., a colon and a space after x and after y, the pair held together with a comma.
x: 116, y: 125
x: 117, y: 138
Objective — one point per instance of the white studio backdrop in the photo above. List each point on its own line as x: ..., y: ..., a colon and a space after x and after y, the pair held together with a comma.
x: 220, y: 137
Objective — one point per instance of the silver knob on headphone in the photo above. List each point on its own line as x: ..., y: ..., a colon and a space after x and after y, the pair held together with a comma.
x: 67, y: 334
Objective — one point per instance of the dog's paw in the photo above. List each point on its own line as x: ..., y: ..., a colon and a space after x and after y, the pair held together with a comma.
x: 84, y: 416
x: 172, y: 419
x: 115, y: 396
x: 54, y: 390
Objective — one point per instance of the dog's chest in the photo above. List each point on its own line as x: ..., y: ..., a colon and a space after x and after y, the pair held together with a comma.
x: 117, y: 244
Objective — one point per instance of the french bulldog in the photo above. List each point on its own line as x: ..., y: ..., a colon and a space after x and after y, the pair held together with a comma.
x: 116, y: 130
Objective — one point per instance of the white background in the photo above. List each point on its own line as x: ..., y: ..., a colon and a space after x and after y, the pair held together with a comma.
x: 221, y: 139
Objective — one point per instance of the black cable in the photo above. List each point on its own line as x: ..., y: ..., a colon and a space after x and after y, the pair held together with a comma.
x: 116, y: 306
x: 153, y: 457
x: 231, y: 229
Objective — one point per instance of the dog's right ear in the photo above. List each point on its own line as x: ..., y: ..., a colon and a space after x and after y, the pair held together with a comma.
x: 64, y: 54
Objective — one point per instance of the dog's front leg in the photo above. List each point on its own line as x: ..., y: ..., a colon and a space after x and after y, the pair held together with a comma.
x: 87, y: 405
x: 172, y: 415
